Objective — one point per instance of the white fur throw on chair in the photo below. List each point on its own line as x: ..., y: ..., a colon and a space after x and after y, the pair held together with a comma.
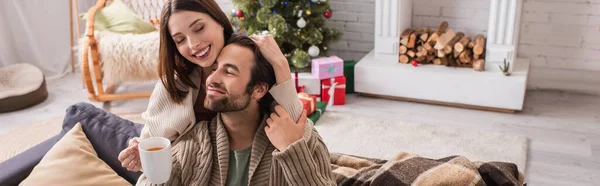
x: 126, y: 57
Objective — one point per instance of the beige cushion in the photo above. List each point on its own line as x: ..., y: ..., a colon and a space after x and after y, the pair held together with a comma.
x: 73, y: 161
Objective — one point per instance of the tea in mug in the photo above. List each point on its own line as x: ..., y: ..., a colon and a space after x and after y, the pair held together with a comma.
x: 154, y: 149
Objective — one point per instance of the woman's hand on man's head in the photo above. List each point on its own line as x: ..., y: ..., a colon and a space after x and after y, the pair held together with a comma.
x: 270, y: 50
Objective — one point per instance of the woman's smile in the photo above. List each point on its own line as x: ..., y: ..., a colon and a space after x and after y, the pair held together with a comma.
x: 202, y: 54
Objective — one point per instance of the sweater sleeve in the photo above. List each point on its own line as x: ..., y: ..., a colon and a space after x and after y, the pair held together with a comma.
x: 306, y: 162
x: 166, y: 118
x: 285, y: 95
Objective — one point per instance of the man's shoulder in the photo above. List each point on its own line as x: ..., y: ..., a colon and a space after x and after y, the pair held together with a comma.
x: 195, y: 133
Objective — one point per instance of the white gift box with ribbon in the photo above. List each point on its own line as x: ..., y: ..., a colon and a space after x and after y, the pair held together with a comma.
x: 312, y: 84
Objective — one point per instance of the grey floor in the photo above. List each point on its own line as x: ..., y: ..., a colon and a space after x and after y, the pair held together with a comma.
x: 563, y: 128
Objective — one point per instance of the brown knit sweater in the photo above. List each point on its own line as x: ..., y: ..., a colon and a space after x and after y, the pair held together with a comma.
x: 201, y: 151
x: 201, y: 158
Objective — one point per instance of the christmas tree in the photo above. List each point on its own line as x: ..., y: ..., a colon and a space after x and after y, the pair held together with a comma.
x: 297, y: 26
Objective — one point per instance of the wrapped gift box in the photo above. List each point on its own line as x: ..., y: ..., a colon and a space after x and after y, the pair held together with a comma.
x: 311, y: 84
x: 309, y: 103
x: 349, y: 74
x: 336, y: 86
x: 327, y: 67
x: 321, y: 106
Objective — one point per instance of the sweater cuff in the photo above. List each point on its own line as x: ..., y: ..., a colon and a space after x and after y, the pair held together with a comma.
x: 296, y: 156
x: 285, y: 95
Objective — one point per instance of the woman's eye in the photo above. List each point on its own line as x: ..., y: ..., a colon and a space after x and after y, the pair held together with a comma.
x: 179, y: 41
x: 199, y: 29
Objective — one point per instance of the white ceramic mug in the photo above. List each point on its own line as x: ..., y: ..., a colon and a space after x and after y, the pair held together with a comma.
x: 156, y: 164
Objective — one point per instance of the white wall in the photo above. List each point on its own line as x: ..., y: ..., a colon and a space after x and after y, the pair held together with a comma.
x: 468, y: 16
x: 37, y: 32
x: 7, y: 49
x: 560, y: 37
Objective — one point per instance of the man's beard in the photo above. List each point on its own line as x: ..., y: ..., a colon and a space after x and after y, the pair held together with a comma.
x: 230, y: 103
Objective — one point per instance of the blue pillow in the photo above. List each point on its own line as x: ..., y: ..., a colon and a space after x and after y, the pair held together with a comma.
x: 108, y: 133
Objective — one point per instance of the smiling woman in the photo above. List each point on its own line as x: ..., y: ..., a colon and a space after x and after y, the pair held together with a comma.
x: 191, y: 33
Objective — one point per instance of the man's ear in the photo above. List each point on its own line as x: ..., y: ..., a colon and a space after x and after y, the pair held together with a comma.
x: 260, y: 90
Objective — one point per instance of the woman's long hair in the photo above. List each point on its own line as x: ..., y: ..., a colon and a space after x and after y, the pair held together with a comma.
x: 174, y: 69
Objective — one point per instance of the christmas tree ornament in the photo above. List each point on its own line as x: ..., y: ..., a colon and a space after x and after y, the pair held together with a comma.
x: 233, y: 12
x: 323, y: 1
x: 314, y: 36
x: 414, y: 63
x: 314, y: 1
x: 313, y: 51
x: 301, y: 23
x: 242, y: 18
x: 239, y: 13
x: 277, y: 24
x: 308, y: 12
x: 327, y: 14
x: 324, y: 48
x: 300, y: 59
x: 263, y: 15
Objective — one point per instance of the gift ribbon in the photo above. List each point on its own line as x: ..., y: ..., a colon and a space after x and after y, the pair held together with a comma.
x: 315, y: 117
x: 320, y: 111
x: 313, y: 103
x: 296, y: 81
x: 331, y: 90
x: 330, y: 67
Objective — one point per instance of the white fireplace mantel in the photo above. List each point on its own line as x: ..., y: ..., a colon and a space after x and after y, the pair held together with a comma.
x: 380, y: 74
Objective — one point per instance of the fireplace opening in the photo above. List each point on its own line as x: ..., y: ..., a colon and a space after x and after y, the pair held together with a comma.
x: 442, y: 46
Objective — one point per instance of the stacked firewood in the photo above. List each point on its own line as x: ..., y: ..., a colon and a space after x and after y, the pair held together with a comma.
x: 442, y: 46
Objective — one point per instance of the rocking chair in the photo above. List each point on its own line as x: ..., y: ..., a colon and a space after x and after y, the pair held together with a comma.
x: 94, y: 71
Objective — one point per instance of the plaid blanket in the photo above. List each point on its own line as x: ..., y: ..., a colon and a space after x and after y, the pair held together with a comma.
x: 410, y: 169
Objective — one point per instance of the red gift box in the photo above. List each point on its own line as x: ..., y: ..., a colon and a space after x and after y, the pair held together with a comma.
x: 309, y: 103
x: 338, y: 89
